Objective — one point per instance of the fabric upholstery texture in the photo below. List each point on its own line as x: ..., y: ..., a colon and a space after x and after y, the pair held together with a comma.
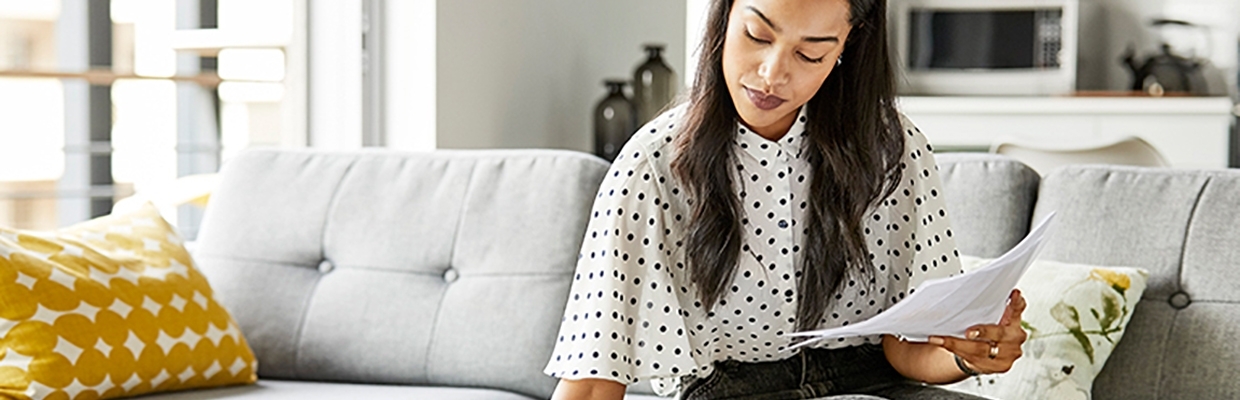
x: 112, y: 307
x: 989, y: 200
x: 1180, y: 226
x: 439, y: 269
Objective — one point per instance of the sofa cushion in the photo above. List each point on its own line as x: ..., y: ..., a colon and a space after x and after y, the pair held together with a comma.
x: 267, y: 389
x: 445, y: 268
x: 1180, y: 226
x: 989, y: 200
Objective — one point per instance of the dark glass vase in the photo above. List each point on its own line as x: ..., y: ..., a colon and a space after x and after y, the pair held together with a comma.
x: 654, y: 84
x: 615, y: 119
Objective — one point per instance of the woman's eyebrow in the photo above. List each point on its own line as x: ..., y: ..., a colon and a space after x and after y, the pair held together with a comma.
x: 810, y: 39
x: 763, y: 17
x: 820, y: 39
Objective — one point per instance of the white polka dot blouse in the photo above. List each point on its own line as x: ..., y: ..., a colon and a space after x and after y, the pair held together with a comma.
x: 632, y: 313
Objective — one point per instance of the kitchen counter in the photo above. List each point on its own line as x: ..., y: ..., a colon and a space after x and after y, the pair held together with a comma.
x: 1190, y: 132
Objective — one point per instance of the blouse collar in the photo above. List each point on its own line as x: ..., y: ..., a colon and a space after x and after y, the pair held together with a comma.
x: 790, y: 145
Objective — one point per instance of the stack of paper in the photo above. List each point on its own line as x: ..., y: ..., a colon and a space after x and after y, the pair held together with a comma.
x: 950, y: 306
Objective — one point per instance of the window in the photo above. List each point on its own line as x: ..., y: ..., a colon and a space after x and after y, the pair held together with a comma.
x: 102, y: 99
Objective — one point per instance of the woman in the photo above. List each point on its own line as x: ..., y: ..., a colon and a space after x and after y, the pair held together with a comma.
x: 786, y: 195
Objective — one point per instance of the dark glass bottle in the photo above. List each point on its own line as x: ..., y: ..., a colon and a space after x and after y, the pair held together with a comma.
x: 615, y: 119
x: 654, y: 84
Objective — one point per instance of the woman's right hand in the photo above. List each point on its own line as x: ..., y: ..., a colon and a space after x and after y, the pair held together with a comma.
x: 588, y: 389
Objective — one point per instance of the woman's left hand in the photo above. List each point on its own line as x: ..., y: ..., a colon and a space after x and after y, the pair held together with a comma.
x: 991, y: 348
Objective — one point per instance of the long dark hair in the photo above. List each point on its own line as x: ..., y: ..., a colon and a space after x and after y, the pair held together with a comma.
x: 855, y: 144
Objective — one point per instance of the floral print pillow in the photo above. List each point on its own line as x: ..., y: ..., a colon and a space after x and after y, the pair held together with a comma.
x: 1076, y: 315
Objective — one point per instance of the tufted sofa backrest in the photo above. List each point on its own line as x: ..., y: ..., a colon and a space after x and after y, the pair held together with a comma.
x: 1181, y: 225
x: 989, y: 200
x: 1184, y: 227
x: 445, y: 268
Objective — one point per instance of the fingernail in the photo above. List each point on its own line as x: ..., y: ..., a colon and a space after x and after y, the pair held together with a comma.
x: 937, y: 341
x: 973, y: 334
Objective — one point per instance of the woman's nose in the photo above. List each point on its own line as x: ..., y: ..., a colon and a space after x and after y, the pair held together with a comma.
x: 773, y: 70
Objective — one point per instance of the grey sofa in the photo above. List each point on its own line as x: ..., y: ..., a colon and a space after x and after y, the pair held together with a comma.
x: 380, y: 274
x: 1181, y: 225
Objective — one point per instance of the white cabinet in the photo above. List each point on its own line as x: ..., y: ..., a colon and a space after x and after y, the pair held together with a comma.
x: 1190, y: 132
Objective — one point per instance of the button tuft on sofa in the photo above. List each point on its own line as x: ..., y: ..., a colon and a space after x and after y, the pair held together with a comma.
x: 451, y: 275
x: 326, y: 266
x: 1180, y: 300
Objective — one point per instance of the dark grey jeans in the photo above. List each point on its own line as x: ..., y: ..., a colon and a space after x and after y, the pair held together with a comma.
x: 860, y: 372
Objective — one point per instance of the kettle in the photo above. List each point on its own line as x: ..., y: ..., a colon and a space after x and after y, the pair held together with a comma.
x: 1167, y: 72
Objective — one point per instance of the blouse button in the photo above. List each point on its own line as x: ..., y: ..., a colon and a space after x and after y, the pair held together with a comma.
x: 783, y: 224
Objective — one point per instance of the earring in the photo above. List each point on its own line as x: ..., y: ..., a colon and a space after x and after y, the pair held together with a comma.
x: 839, y: 61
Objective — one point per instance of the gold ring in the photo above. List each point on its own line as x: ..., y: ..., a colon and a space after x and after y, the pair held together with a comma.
x: 994, y: 351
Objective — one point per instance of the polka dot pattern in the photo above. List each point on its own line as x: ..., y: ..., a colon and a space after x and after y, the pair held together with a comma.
x: 109, y: 308
x: 632, y: 313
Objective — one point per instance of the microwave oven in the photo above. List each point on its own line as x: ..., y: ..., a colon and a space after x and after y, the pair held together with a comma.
x: 985, y: 47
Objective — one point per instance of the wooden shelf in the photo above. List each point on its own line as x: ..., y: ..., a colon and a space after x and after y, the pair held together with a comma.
x: 1190, y: 132
x: 107, y: 77
x: 209, y: 42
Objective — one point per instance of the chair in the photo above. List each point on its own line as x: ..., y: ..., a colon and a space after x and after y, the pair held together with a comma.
x: 1043, y: 158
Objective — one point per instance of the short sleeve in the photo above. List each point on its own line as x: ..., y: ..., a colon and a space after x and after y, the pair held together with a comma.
x: 919, y: 227
x: 624, y: 320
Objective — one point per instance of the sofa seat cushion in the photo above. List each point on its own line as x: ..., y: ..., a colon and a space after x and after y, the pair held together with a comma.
x: 294, y: 390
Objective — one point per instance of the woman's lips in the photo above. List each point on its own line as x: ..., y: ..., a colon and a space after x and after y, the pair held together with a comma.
x: 764, y: 102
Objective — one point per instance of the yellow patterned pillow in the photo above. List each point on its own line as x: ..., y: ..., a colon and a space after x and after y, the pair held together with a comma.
x: 111, y: 307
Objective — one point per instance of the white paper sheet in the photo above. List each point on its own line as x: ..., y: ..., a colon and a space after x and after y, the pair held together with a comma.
x: 949, y: 306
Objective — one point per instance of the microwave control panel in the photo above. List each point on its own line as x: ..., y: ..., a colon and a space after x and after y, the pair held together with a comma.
x: 1049, y: 28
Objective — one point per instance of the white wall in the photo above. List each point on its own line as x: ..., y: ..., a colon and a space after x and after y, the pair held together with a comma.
x: 409, y: 54
x: 335, y: 74
x: 526, y: 73
x: 695, y: 28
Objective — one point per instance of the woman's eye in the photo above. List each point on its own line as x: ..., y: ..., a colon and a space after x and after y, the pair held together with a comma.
x: 812, y: 60
x: 755, y: 39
